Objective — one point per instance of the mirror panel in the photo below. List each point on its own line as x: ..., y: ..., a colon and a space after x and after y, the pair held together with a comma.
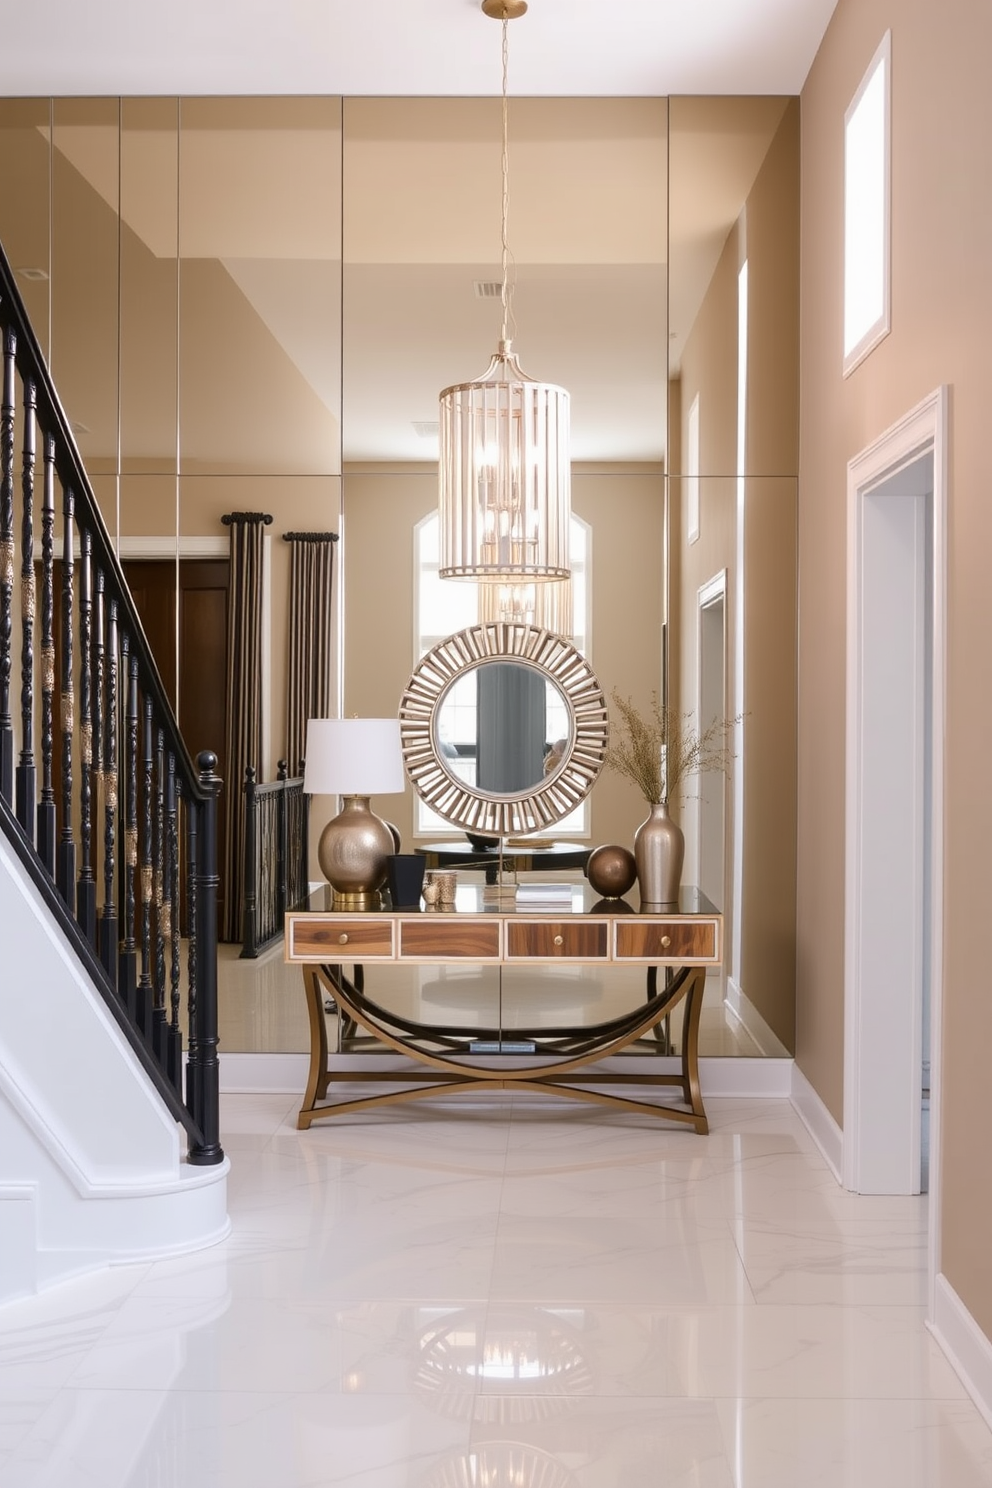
x: 260, y: 239
x: 149, y: 286
x: 588, y: 235
x: 25, y: 205
x: 85, y: 276
x: 590, y: 231
x: 733, y: 607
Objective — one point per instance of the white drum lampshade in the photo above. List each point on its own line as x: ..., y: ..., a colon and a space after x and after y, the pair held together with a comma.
x: 354, y: 758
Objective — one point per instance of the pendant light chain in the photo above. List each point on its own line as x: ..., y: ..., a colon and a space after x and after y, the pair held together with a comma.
x: 505, y: 169
x: 504, y: 470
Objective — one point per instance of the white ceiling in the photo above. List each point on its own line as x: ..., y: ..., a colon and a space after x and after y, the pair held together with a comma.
x: 423, y: 47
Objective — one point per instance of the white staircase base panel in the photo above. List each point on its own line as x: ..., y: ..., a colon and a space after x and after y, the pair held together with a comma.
x: 92, y: 1168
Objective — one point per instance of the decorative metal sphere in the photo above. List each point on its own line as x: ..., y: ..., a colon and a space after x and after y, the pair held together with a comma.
x: 611, y: 871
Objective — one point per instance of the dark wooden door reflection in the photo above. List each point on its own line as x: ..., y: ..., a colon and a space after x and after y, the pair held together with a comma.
x: 200, y: 588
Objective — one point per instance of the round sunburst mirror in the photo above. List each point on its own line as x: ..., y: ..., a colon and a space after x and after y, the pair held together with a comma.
x: 504, y: 729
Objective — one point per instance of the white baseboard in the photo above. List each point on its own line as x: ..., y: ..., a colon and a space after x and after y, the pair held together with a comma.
x: 249, y: 1074
x: 287, y: 1073
x: 818, y: 1121
x: 964, y: 1343
x: 740, y: 1006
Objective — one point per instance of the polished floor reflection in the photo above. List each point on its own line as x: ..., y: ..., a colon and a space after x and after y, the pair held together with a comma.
x: 504, y: 1293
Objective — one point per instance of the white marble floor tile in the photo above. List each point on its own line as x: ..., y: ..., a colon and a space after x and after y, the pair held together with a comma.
x: 512, y: 1292
x: 633, y: 1443
x: 600, y: 1260
x: 178, y: 1439
x: 848, y: 1262
x: 867, y: 1443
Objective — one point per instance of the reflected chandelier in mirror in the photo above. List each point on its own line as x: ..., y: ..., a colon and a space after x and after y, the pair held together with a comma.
x: 504, y: 729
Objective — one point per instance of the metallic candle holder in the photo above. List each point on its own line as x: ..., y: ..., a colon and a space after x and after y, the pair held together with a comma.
x: 354, y: 758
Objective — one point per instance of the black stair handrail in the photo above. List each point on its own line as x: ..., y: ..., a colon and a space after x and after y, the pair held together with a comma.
x: 125, y: 727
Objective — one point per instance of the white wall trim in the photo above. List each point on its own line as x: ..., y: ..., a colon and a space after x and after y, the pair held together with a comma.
x: 818, y: 1122
x: 964, y: 1343
x: 740, y: 1007
x: 922, y: 429
x: 130, y: 548
x: 152, y: 548
x: 246, y: 1074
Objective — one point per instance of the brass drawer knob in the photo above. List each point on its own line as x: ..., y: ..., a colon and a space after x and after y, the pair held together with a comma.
x: 559, y: 940
x: 666, y: 941
x: 343, y: 938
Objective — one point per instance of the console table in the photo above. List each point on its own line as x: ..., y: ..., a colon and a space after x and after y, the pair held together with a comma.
x: 446, y: 1058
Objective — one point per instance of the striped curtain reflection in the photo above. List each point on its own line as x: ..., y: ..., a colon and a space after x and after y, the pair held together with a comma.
x: 244, y: 699
x: 309, y: 676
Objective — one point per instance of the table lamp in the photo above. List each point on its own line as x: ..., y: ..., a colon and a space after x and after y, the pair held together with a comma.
x: 354, y: 758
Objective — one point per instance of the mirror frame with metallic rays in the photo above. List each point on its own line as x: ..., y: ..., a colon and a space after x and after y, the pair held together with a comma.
x: 564, y: 788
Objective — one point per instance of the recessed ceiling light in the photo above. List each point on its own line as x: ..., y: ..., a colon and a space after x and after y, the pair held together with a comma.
x: 427, y: 428
x: 34, y: 275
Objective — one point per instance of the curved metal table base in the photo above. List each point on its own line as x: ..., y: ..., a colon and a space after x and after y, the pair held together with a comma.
x: 563, y: 1064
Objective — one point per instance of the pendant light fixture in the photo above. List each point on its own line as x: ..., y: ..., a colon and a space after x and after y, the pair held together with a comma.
x: 504, y: 476
x: 548, y: 606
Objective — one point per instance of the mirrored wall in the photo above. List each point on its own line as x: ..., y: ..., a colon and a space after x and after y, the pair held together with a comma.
x: 252, y: 304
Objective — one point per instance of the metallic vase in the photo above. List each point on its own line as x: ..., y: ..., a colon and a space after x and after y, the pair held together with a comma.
x: 659, y: 848
x: 353, y: 853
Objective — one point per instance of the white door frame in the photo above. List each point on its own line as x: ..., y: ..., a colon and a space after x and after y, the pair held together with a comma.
x: 921, y: 431
x: 714, y: 591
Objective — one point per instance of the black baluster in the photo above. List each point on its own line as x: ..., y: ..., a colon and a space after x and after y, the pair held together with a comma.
x: 158, y: 880
x: 25, y: 776
x: 109, y: 948
x: 46, y: 806
x: 7, y: 566
x: 207, y: 1082
x: 249, y: 927
x: 192, y: 855
x: 170, y: 928
x: 67, y: 842
x: 127, y: 973
x: 144, y: 994
x: 86, y: 888
x: 282, y: 774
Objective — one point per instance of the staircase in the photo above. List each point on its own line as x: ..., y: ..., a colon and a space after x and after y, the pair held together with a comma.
x: 109, y: 1114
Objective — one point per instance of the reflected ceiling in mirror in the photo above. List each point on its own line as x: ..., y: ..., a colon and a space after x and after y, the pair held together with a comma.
x: 588, y: 232
x: 535, y: 736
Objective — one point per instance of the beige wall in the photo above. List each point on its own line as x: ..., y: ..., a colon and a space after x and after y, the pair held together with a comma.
x: 941, y: 313
x: 624, y: 508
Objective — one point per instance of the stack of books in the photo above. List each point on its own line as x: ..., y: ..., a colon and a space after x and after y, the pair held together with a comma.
x: 541, y: 895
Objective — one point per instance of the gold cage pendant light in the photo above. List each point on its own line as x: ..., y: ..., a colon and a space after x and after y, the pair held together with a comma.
x: 504, y: 475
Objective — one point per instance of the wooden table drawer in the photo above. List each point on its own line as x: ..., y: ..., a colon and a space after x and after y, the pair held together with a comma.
x: 660, y: 940
x: 449, y: 938
x: 546, y: 940
x: 335, y: 939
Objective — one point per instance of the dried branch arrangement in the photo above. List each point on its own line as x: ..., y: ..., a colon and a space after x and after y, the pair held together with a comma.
x: 659, y: 751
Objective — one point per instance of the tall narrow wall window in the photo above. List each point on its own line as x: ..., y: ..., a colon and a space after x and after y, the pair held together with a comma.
x: 867, y: 192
